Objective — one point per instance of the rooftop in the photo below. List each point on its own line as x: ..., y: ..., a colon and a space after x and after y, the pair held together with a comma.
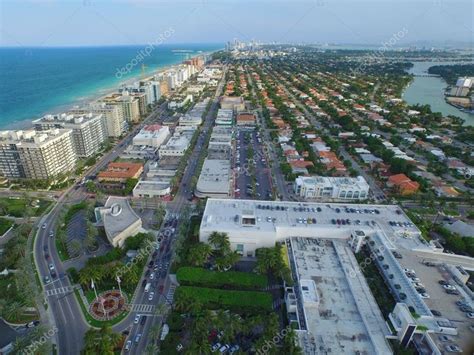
x: 338, y: 308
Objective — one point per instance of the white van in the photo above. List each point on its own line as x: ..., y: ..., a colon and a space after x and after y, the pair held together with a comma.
x: 147, y: 287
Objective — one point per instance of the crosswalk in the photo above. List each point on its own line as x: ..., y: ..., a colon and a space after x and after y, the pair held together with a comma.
x: 170, y: 294
x: 143, y: 308
x: 59, y: 291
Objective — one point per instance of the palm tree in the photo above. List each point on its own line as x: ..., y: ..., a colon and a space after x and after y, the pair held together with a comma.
x: 151, y: 349
x: 220, y: 241
x: 155, y: 332
x: 199, y: 254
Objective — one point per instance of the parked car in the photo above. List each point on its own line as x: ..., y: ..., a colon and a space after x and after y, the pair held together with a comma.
x: 224, y: 348
x: 215, y: 347
x: 128, y: 345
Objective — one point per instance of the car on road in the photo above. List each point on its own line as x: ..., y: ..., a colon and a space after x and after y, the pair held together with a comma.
x: 143, y: 320
x: 152, y: 276
x: 46, y: 279
x: 452, y: 292
x: 53, y: 274
x: 138, y: 337
x: 51, y: 267
x: 137, y: 319
x: 452, y: 348
x: 45, y: 247
x: 46, y: 256
x: 51, y: 234
x: 151, y: 295
x: 43, y: 226
x: 128, y: 345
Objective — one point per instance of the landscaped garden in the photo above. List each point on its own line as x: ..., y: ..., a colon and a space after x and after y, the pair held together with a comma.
x: 229, y: 280
x: 216, y: 306
x: 22, y: 207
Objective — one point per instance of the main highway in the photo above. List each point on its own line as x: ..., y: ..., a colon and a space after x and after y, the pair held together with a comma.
x: 63, y: 309
x: 174, y: 209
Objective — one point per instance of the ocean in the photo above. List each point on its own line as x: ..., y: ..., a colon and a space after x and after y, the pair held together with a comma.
x: 36, y: 81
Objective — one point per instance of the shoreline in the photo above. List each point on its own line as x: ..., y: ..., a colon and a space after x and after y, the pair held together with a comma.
x: 466, y: 117
x: 96, y: 94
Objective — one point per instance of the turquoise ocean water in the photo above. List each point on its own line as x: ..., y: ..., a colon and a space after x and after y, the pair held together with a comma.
x: 35, y: 81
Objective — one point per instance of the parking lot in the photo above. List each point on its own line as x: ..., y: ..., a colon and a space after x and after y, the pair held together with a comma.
x: 252, y: 173
x: 440, y: 301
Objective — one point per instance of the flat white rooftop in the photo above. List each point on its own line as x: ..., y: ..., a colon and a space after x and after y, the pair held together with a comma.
x: 347, y: 319
x: 265, y: 222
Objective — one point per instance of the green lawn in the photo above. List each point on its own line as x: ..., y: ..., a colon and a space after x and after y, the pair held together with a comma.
x: 222, y: 299
x: 5, y: 224
x: 16, y: 207
x: 230, y: 279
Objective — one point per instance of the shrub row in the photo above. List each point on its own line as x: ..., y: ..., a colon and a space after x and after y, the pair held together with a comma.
x: 238, y: 301
x: 195, y: 276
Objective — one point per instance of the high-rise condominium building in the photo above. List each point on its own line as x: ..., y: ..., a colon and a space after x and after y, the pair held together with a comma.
x: 38, y: 155
x: 88, y: 130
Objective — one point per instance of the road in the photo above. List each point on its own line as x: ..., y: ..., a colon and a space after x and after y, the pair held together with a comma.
x: 174, y: 209
x: 63, y: 310
x: 272, y: 157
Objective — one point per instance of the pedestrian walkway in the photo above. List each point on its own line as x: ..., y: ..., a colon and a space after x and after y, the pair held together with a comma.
x: 170, y: 295
x: 59, y: 291
x: 143, y: 308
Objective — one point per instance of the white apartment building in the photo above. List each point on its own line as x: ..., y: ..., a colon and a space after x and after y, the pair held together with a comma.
x: 331, y: 188
x: 38, y: 155
x: 113, y: 117
x: 88, y: 130
x: 151, y: 136
x: 130, y: 105
x: 177, y: 144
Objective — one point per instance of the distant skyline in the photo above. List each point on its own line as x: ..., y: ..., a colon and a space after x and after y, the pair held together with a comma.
x: 47, y: 23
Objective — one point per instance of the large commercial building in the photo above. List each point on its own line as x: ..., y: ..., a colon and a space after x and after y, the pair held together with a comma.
x: 235, y: 103
x: 214, y: 180
x: 177, y: 144
x: 88, y: 130
x: 120, y: 172
x: 119, y: 220
x: 40, y: 155
x: 330, y: 304
x: 332, y: 188
x: 152, y: 136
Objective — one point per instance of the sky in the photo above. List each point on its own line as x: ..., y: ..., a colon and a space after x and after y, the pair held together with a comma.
x: 137, y: 22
